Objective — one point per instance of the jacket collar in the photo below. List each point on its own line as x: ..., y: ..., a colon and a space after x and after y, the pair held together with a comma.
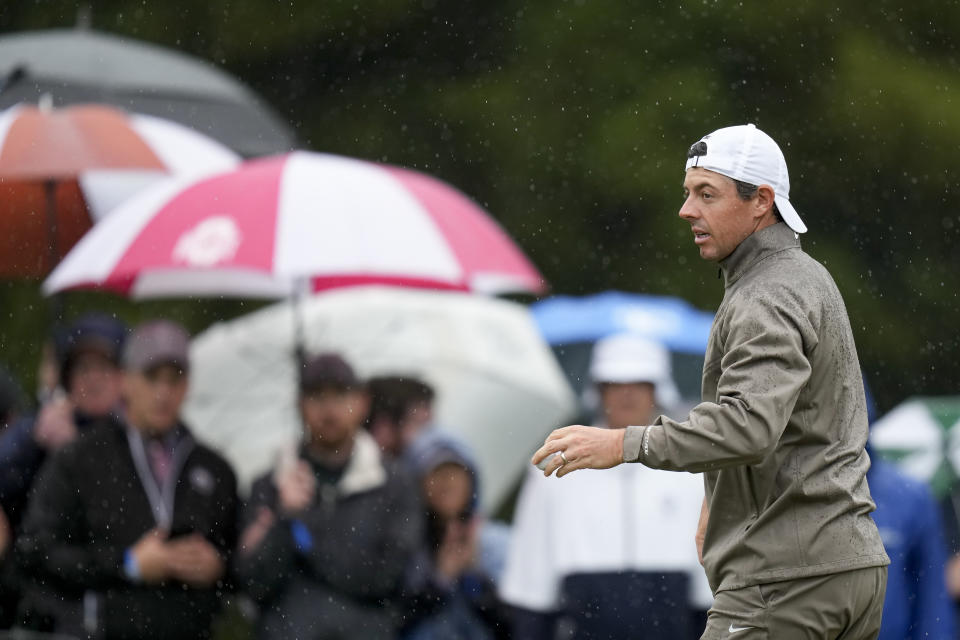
x: 365, y: 468
x: 759, y: 245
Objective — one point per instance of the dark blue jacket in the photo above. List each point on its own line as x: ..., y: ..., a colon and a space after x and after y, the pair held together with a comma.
x: 917, y: 605
x: 20, y: 461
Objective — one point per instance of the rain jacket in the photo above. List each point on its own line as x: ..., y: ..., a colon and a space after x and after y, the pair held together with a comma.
x: 336, y: 571
x: 90, y: 505
x: 781, y: 430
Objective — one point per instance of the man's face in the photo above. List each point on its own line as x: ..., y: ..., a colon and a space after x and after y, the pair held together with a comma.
x: 332, y: 416
x: 418, y: 416
x: 154, y: 397
x: 719, y: 218
x: 627, y: 404
x: 95, y: 383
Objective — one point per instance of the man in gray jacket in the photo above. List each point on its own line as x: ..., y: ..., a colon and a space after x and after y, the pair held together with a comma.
x: 785, y: 532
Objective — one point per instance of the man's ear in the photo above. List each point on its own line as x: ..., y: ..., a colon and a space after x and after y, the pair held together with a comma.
x: 764, y: 200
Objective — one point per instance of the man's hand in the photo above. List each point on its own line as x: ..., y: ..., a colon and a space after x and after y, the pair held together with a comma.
x: 583, y: 447
x: 296, y: 486
x: 702, y: 529
x: 953, y: 576
x: 150, y: 553
x: 194, y: 561
x: 55, y: 426
x: 256, y: 531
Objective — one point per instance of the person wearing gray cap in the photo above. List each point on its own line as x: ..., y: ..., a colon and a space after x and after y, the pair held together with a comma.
x: 129, y: 531
x: 785, y: 531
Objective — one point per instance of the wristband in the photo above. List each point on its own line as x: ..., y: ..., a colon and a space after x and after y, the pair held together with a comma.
x: 130, y: 567
x: 301, y: 536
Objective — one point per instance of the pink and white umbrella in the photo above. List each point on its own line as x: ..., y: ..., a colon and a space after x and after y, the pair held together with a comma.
x: 326, y: 220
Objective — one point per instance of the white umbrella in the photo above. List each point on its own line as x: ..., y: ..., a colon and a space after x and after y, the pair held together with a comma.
x: 498, y: 386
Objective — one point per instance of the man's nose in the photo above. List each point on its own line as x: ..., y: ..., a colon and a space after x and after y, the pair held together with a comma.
x: 687, y: 210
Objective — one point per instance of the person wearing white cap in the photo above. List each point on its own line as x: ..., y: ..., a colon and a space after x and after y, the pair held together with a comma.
x: 583, y: 551
x: 785, y: 532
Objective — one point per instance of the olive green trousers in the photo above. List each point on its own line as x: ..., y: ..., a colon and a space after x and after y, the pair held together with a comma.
x: 845, y: 606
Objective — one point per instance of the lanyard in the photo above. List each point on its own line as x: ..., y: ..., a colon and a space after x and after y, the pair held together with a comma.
x: 161, y: 497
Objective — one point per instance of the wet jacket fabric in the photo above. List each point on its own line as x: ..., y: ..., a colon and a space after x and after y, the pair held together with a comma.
x: 781, y: 429
x: 90, y: 504
x: 20, y: 460
x: 335, y: 572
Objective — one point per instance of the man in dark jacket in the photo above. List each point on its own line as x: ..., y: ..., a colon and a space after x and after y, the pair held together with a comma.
x: 129, y: 528
x: 88, y: 354
x: 330, y: 532
x: 88, y: 366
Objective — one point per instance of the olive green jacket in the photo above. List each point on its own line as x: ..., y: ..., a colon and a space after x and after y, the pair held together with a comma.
x: 780, y: 433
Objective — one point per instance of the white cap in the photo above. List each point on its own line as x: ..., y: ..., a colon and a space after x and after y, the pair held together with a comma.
x: 625, y: 357
x: 747, y: 154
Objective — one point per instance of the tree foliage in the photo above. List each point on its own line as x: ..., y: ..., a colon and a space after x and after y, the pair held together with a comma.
x: 569, y: 120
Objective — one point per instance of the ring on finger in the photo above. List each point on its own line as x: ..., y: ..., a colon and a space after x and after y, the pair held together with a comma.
x: 563, y: 456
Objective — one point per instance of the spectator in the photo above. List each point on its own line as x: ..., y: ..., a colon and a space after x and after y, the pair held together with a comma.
x: 331, y: 530
x: 950, y: 508
x: 11, y: 403
x: 400, y: 409
x: 89, y: 359
x: 452, y: 581
x: 585, y: 551
x: 11, y: 398
x: 917, y: 604
x: 129, y: 529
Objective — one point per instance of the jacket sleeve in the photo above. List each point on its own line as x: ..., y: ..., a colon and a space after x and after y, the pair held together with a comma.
x: 762, y: 371
x: 20, y: 458
x: 263, y: 570
x: 376, y: 571
x: 933, y: 614
x: 54, y: 540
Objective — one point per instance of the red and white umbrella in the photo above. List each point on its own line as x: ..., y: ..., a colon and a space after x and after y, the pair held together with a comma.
x: 61, y: 169
x: 327, y: 220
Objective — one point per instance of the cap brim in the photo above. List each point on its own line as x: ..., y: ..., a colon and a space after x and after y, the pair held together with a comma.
x: 790, y: 215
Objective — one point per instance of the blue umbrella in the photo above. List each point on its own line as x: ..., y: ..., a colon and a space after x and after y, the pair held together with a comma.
x: 673, y: 322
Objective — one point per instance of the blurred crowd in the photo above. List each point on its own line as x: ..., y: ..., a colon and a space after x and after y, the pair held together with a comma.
x: 117, y: 522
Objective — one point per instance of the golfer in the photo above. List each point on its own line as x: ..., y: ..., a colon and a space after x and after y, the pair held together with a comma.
x: 785, y: 532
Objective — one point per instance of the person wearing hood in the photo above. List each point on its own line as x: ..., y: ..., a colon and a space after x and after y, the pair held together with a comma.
x: 585, y: 552
x: 330, y: 532
x: 451, y: 583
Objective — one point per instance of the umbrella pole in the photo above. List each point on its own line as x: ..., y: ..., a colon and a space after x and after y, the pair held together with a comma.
x: 53, y: 248
x: 299, y: 346
x: 50, y: 190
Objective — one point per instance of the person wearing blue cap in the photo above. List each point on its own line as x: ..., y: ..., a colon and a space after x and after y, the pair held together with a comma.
x: 785, y: 532
x: 88, y: 362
